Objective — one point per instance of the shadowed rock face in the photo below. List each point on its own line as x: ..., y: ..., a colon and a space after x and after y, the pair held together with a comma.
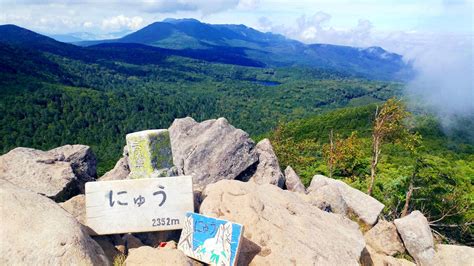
x: 211, y: 150
x: 282, y: 227
x: 83, y: 160
x: 370, y: 257
x: 40, y: 232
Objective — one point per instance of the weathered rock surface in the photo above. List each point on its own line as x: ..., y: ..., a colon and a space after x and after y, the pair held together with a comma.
x: 328, y: 198
x: 293, y: 181
x: 83, y: 160
x: 371, y: 258
x: 383, y: 238
x: 119, y: 172
x: 268, y: 169
x: 416, y: 235
x: 281, y: 228
x: 39, y: 171
x: 447, y: 255
x: 76, y: 206
x: 364, y: 206
x: 151, y: 256
x: 36, y: 231
x: 211, y: 150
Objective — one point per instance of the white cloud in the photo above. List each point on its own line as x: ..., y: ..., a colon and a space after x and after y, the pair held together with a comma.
x: 121, y: 22
x: 317, y: 29
x: 204, y: 7
x: 444, y: 78
x: 88, y: 24
x: 248, y: 4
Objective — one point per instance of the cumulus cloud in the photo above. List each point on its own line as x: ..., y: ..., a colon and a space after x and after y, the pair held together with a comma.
x: 444, y: 63
x: 121, y: 22
x: 88, y: 24
x: 205, y: 7
x: 317, y: 29
x: 248, y: 4
x: 158, y: 6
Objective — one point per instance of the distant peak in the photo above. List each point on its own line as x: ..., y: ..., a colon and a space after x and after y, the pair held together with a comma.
x: 181, y: 20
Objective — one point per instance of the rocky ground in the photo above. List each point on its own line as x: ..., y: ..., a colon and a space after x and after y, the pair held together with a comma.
x: 329, y: 223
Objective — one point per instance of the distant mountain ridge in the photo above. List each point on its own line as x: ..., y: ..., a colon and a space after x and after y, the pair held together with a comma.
x: 230, y: 44
x: 76, y: 37
x: 269, y: 48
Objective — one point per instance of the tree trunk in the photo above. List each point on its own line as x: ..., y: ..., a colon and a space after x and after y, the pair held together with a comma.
x: 411, y: 188
x: 375, y: 152
x: 373, y: 165
x: 331, y: 153
x: 407, y: 200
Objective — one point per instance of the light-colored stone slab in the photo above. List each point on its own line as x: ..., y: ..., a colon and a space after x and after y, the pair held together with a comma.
x: 210, y: 240
x: 140, y: 205
x: 364, y: 206
x: 416, y: 235
x: 149, y: 151
x: 447, y: 255
x: 293, y: 181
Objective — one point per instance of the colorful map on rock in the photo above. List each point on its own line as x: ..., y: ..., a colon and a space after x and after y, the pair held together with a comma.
x: 210, y: 240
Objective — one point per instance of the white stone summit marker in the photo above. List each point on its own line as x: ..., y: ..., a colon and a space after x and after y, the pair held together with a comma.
x: 149, y: 151
x: 139, y: 205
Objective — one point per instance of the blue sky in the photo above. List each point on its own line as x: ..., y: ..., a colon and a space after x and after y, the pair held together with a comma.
x: 103, y: 16
x: 407, y: 27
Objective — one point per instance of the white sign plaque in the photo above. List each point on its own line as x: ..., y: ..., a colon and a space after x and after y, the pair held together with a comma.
x: 138, y: 205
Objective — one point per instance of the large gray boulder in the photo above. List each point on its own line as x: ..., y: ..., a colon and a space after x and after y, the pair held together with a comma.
x: 447, y: 255
x: 293, y: 181
x: 281, y: 228
x: 416, y: 235
x: 383, y: 238
x: 119, y: 172
x: 83, y: 160
x: 211, y: 150
x: 37, y: 231
x: 364, y: 206
x: 268, y: 169
x: 76, y: 206
x: 328, y: 198
x: 39, y: 171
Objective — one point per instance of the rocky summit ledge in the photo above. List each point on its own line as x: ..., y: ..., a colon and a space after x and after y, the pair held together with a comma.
x: 43, y: 205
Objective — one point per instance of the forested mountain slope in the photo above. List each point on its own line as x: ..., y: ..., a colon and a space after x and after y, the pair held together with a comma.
x: 55, y: 93
x: 441, y: 168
